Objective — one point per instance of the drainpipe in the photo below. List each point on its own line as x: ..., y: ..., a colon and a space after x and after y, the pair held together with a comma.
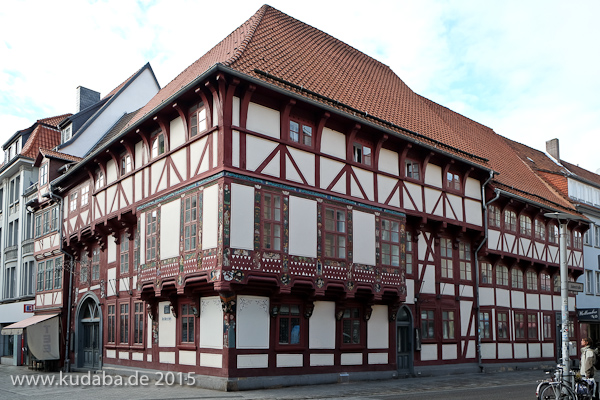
x: 58, y: 199
x: 485, y: 232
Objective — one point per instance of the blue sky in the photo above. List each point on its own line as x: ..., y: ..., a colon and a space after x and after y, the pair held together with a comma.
x: 527, y: 69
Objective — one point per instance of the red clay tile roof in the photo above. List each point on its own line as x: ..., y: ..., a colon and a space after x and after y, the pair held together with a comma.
x: 582, y: 173
x: 53, y: 121
x: 45, y: 134
x: 59, y: 155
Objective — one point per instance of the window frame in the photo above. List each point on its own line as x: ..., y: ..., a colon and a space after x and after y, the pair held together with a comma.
x: 486, y: 273
x: 359, y: 156
x: 465, y: 261
x: 271, y: 221
x: 354, y: 316
x: 409, y: 253
x: 525, y: 225
x: 139, y: 323
x: 532, y: 326
x: 520, y: 333
x: 126, y: 162
x: 427, y: 325
x: 85, y: 196
x: 123, y: 328
x: 190, y: 222
x: 151, y: 234
x: 156, y: 148
x: 486, y: 334
x: 532, y: 281
x: 301, y: 135
x: 410, y: 166
x: 494, y: 215
x: 452, y: 181
x: 200, y: 124
x: 540, y: 229
x: 111, y: 321
x: 502, y: 322
x: 99, y: 180
x: 510, y: 221
x: 449, y: 325
x: 446, y: 260
x: 184, y: 317
x: 333, y: 251
x: 281, y: 316
x: 95, y: 264
x: 124, y: 246
x: 43, y: 176
x: 390, y: 243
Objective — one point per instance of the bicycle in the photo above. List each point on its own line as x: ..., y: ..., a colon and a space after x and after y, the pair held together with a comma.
x: 557, y: 387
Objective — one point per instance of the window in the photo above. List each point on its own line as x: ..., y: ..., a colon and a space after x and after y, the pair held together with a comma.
x: 38, y: 225
x: 427, y: 324
x: 390, y: 242
x: 540, y: 230
x: 289, y: 324
x: 448, y: 324
x: 28, y: 277
x: 548, y: 327
x: 190, y: 222
x: 464, y: 254
x: 84, y: 268
x: 577, y: 240
x: 197, y: 119
x: 510, y: 221
x: 335, y: 233
x: 124, y: 266
x: 99, y: 180
x: 516, y: 277
x: 40, y: 276
x: 409, y: 254
x: 151, y: 235
x: 586, y: 237
x: 111, y: 323
x: 158, y: 145
x: 412, y: 169
x: 125, y: 164
x: 351, y: 326
x: 494, y: 216
x: 519, y: 325
x: 553, y: 234
x: 485, y: 326
x: 54, y: 219
x: 136, y: 252
x: 532, y: 280
x: 525, y: 223
x: 96, y: 263
x: 545, y: 282
x: 589, y: 282
x: 124, y: 323
x: 452, y: 181
x: 301, y: 133
x: 532, y: 331
x: 85, y: 194
x: 58, y: 273
x: 73, y: 201
x: 486, y: 273
x: 596, y: 235
x: 597, y: 282
x: 187, y: 324
x: 43, y: 174
x: 502, y: 325
x: 361, y: 154
x: 138, y: 323
x: 271, y: 215
x: 49, y: 269
x: 10, y: 282
x: 66, y: 134
x: 446, y: 254
x: 557, y: 283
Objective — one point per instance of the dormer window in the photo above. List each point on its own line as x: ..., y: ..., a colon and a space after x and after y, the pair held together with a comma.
x: 125, y: 164
x: 66, y: 134
x: 301, y: 133
x: 198, y: 121
x: 99, y: 180
x: 362, y: 154
x: 43, y: 174
x: 158, y: 145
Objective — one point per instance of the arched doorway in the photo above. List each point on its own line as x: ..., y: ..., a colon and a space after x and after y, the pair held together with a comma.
x: 89, y: 333
x: 404, y: 340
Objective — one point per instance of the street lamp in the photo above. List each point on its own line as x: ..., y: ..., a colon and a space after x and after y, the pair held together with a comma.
x: 563, y: 219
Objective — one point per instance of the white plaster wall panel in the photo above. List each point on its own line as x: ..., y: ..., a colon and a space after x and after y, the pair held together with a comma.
x: 557, y: 303
x: 187, y: 357
x: 169, y: 229
x: 553, y: 250
x: 215, y: 149
x: 166, y: 357
x: 319, y: 360
x: 329, y: 170
x: 494, y: 239
x: 378, y: 328
x: 291, y: 174
x: 146, y: 184
x: 111, y: 251
x: 466, y: 311
x: 124, y: 285
x: 377, y: 358
x: 388, y: 162
x: 533, y: 301
x: 123, y: 355
x: 252, y: 322
x: 413, y: 196
x: 433, y: 175
x: 159, y: 182
x: 149, y: 357
x: 321, y: 327
x: 486, y: 296
x: 447, y: 289
x: 547, y: 350
x: 340, y: 186
x: 111, y: 194
x: 428, y: 284
x: 429, y: 352
x: 47, y: 298
x: 473, y: 212
x: 176, y: 133
x: 465, y: 291
x: 84, y: 216
x: 457, y: 207
x: 180, y: 161
x: 449, y: 352
x: 422, y: 247
x: 364, y: 233
x: 149, y: 338
x: 235, y: 111
x: 505, y: 351
x: 410, y: 291
x: 385, y: 186
x: 134, y: 281
x: 365, y: 179
x: 235, y: 148
x: 525, y: 247
x: 196, y: 150
x: 166, y: 326
x: 535, y: 350
x: 470, y: 348
x: 111, y: 171
x: 138, y: 179
x: 137, y: 356
x: 211, y: 360
x: 302, y: 227
x: 139, y: 154
x: 211, y: 316
x: 333, y: 143
x: 289, y: 360
x: 242, y: 217
x: 488, y: 351
x: 273, y: 168
x: 210, y: 217
x: 305, y: 162
x: 510, y: 242
x: 111, y: 277
x: 257, y: 150
x: 539, y: 248
x: 518, y: 299
x: 245, y: 361
x: 58, y: 298
x: 263, y: 120
x: 142, y: 228
x: 111, y: 353
x: 215, y: 114
x: 433, y: 204
x: 351, y: 359
x: 473, y: 188
x: 99, y: 207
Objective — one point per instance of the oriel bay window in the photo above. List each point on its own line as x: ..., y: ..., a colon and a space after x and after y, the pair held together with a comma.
x: 335, y: 233
x: 390, y: 242
x: 289, y: 324
x: 187, y: 323
x: 271, y: 219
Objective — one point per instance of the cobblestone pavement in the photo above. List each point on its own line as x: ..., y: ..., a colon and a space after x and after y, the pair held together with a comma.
x: 393, y: 388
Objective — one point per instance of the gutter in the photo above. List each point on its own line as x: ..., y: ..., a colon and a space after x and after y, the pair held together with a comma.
x: 485, y: 231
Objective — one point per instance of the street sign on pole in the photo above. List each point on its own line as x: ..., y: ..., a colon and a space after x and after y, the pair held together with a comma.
x: 575, y: 286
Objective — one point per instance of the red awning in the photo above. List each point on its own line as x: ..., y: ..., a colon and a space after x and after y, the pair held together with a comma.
x: 17, y: 327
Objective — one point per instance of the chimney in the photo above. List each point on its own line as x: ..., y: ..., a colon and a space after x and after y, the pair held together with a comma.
x: 552, y: 149
x: 85, y: 98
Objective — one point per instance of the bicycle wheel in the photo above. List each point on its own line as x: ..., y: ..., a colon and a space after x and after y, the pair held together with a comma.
x: 557, y: 392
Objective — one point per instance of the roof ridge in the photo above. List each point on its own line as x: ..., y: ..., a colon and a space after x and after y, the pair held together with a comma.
x: 255, y: 21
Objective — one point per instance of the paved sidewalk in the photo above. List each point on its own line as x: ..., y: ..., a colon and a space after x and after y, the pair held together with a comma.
x: 352, y: 390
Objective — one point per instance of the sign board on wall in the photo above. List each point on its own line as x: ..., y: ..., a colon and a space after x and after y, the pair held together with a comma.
x: 28, y: 308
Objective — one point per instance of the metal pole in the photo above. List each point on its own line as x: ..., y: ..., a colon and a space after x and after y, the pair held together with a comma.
x: 564, y: 294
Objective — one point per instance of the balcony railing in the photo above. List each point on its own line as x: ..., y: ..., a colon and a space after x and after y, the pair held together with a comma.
x: 27, y: 247
x: 11, y: 253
